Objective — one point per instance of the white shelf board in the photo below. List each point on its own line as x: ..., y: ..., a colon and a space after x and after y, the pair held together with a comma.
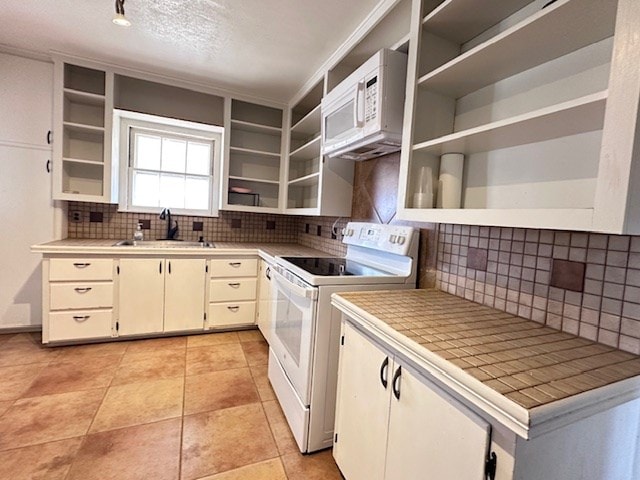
x: 255, y: 180
x: 83, y: 197
x: 80, y: 127
x: 584, y: 114
x: 79, y: 96
x: 305, y: 181
x: 309, y: 124
x: 249, y: 208
x: 249, y: 151
x: 304, y: 211
x: 307, y: 151
x: 85, y: 162
x: 559, y: 29
x: 255, y: 128
x: 461, y: 20
x: 551, y: 218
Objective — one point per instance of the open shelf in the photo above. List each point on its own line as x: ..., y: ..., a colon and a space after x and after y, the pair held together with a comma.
x: 249, y: 151
x: 584, y: 114
x: 83, y: 97
x: 529, y: 43
x: 307, y: 103
x: 79, y: 160
x: 82, y: 178
x: 255, y: 128
x: 307, y: 151
x: 256, y: 114
x: 309, y: 125
x: 83, y: 128
x: 256, y: 180
x: 268, y: 193
x: 461, y: 20
x: 82, y: 79
x: 305, y: 181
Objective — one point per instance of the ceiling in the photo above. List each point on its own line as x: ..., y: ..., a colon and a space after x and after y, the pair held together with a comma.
x: 266, y: 48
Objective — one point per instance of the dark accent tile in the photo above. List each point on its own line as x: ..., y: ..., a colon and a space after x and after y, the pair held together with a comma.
x: 236, y: 223
x: 271, y: 224
x: 307, y: 228
x: 95, y: 217
x: 567, y: 275
x: 477, y: 259
x: 146, y: 224
x: 319, y: 230
x: 198, y: 226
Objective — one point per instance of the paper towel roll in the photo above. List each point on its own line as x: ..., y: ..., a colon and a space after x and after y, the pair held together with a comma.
x: 450, y: 180
x: 423, y: 198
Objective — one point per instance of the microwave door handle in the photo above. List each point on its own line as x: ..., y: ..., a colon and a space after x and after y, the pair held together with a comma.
x: 293, y: 288
x: 359, y: 104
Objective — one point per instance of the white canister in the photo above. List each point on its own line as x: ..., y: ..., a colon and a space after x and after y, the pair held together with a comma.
x: 423, y: 198
x: 450, y: 180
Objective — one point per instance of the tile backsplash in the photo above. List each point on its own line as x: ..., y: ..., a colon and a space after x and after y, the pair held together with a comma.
x: 581, y: 283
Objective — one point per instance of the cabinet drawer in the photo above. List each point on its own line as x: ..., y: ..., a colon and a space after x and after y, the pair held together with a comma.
x: 70, y: 269
x: 246, y: 267
x: 232, y: 289
x: 67, y: 296
x: 79, y: 324
x: 239, y: 313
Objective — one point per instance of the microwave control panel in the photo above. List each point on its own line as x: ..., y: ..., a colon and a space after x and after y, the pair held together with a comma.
x: 371, y: 100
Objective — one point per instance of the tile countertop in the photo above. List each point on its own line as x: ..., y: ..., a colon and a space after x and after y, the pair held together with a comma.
x: 520, y: 368
x: 107, y: 247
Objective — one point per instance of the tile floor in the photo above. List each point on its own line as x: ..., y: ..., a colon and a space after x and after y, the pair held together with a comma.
x: 197, y: 407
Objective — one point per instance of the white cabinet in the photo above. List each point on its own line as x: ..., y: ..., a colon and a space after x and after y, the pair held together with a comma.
x: 265, y: 301
x: 391, y: 423
x: 83, y: 111
x: 141, y: 296
x: 316, y: 185
x: 161, y: 295
x: 78, y: 299
x: 232, y: 292
x: 537, y: 99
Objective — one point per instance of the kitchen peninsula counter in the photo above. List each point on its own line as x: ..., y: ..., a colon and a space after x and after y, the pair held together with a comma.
x: 529, y: 377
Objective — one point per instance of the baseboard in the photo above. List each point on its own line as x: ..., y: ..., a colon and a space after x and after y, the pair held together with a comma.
x: 21, y: 329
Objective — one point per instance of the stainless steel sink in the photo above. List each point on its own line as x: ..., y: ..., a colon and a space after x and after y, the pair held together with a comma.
x: 163, y: 244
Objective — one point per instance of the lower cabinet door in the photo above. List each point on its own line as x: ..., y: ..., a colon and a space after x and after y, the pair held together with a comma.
x: 80, y: 324
x: 184, y: 291
x: 431, y: 435
x: 231, y: 314
x: 362, y: 408
x: 141, y: 296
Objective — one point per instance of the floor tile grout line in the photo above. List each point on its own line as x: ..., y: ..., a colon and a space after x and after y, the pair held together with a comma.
x: 184, y: 401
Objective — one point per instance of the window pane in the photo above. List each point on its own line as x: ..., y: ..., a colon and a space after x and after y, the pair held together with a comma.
x: 147, y: 152
x: 171, y: 191
x: 197, y: 193
x: 146, y: 189
x: 174, y: 153
x: 199, y: 158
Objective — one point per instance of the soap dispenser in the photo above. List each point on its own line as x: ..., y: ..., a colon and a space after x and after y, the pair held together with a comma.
x: 138, y: 235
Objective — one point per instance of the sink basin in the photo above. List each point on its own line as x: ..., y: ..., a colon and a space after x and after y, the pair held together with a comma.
x: 163, y: 244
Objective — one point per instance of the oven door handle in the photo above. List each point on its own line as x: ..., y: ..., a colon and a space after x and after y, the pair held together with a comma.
x: 308, y: 292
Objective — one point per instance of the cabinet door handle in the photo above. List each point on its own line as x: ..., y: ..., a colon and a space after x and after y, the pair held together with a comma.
x: 268, y: 273
x: 49, y: 137
x: 234, y: 309
x: 81, y: 318
x: 235, y: 264
x: 234, y: 285
x: 160, y: 267
x: 82, y: 290
x: 81, y: 265
x: 48, y: 166
x: 169, y: 268
x: 384, y: 373
x: 395, y: 385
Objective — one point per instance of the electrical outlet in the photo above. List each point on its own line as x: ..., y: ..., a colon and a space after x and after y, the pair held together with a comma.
x: 76, y: 216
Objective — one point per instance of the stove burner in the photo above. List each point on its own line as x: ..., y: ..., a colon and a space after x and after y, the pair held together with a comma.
x: 333, y: 267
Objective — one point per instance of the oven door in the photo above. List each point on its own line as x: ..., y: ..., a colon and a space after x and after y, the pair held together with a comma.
x: 343, y: 119
x: 292, y: 331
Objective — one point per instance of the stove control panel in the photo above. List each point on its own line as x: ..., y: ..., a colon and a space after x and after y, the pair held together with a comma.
x: 389, y: 238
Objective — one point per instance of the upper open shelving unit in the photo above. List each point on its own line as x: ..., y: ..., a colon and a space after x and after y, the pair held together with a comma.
x: 536, y: 98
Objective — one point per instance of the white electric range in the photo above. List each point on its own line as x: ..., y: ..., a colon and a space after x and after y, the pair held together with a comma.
x: 305, y: 331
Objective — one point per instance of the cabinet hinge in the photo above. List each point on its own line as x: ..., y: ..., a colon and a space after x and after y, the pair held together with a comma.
x: 117, y: 326
x: 335, y: 438
x: 490, y: 466
x: 342, y: 340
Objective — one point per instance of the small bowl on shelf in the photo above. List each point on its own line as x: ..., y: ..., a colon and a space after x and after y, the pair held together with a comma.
x: 240, y: 190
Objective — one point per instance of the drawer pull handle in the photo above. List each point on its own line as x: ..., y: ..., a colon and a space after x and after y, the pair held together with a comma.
x: 81, y: 265
x: 83, y: 290
x: 234, y: 309
x: 234, y: 285
x: 235, y: 264
x: 81, y: 318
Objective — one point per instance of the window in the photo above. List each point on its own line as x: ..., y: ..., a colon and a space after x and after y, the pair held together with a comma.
x: 168, y: 163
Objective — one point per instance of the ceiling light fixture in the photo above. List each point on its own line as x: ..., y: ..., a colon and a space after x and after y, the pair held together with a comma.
x: 119, y: 18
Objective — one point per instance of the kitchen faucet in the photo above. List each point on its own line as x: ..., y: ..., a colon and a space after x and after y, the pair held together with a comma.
x: 171, y: 231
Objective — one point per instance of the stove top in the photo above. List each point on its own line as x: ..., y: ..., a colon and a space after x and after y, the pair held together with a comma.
x: 333, y: 267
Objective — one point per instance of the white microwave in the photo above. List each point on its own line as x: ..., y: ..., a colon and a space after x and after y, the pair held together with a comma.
x: 362, y: 117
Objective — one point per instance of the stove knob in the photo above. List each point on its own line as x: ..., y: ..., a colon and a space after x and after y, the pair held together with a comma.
x: 393, y: 239
x: 350, y: 232
x: 401, y: 240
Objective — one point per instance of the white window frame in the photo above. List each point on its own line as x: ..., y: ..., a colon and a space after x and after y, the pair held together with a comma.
x: 124, y: 121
